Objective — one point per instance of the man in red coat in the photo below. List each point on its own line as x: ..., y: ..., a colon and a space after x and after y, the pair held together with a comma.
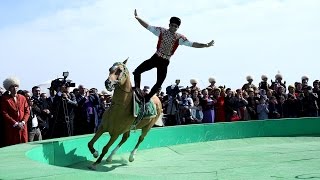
x: 15, y: 112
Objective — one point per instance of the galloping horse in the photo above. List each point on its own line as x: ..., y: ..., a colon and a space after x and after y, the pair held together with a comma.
x: 119, y: 117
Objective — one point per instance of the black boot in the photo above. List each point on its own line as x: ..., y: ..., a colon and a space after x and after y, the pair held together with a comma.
x: 139, y: 94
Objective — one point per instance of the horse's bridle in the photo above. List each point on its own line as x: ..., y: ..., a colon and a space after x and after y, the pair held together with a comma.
x: 110, y: 85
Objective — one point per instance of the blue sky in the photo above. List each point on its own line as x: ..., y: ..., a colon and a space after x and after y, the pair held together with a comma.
x: 17, y: 12
x: 41, y: 39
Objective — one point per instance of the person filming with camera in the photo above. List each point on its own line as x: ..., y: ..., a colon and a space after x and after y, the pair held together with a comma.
x: 63, y: 106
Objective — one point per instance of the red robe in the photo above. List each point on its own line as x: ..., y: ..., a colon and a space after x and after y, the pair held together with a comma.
x: 9, y: 110
x: 220, y: 110
x: 234, y: 117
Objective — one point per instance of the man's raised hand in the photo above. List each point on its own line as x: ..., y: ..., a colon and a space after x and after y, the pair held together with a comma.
x: 135, y: 13
x: 211, y: 43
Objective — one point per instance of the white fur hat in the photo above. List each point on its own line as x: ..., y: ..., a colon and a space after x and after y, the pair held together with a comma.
x: 249, y: 77
x: 304, y: 78
x: 10, y: 81
x: 211, y: 79
x: 106, y: 93
x: 277, y: 76
x: 193, y: 81
x: 264, y: 77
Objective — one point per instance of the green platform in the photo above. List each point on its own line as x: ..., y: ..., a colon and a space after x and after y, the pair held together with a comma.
x: 272, y: 149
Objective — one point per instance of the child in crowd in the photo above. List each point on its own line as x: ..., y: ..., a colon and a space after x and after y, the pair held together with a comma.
x: 235, y: 116
x: 262, y: 109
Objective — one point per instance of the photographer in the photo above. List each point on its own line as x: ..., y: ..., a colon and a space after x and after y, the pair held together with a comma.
x: 43, y: 114
x: 309, y: 102
x: 278, y: 82
x: 172, y: 107
x: 316, y: 90
x: 292, y: 103
x: 92, y: 107
x: 185, y: 103
x: 63, y: 106
x: 81, y: 123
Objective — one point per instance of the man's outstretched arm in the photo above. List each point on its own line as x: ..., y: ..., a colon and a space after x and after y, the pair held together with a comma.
x: 142, y: 22
x: 201, y: 45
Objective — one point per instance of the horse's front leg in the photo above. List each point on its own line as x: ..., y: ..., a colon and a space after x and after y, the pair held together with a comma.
x: 93, y: 140
x: 105, y: 149
x: 125, y: 136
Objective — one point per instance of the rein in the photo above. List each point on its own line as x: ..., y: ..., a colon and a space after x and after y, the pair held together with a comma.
x: 125, y: 75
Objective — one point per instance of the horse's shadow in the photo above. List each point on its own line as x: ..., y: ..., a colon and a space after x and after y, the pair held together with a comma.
x: 55, y: 154
x: 102, y: 167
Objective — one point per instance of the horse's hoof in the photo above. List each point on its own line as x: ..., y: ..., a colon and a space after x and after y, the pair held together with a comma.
x: 92, y: 167
x: 95, y: 154
x: 109, y: 160
x: 131, y: 158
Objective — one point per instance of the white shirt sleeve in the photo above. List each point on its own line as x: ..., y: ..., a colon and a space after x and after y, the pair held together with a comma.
x: 201, y: 115
x: 15, y: 124
x: 190, y: 102
x: 184, y: 41
x: 155, y: 30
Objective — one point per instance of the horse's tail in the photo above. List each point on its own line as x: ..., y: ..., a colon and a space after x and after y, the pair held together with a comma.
x: 159, y: 111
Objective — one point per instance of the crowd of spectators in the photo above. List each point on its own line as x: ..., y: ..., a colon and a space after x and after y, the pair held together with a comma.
x: 27, y: 116
x: 266, y: 100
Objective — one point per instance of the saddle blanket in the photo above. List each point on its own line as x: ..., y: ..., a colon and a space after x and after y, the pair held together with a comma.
x: 149, y: 111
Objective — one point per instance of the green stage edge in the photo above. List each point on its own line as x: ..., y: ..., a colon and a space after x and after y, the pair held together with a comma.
x: 31, y: 160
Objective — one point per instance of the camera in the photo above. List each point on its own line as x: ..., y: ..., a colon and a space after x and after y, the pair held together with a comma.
x: 59, y: 82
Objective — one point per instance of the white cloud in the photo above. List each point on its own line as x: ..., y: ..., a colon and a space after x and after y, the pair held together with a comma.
x: 252, y: 37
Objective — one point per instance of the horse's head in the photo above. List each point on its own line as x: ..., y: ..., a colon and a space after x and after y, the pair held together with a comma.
x: 118, y: 74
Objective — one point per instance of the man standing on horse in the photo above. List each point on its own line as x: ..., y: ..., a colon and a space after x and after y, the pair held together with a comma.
x: 168, y: 42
